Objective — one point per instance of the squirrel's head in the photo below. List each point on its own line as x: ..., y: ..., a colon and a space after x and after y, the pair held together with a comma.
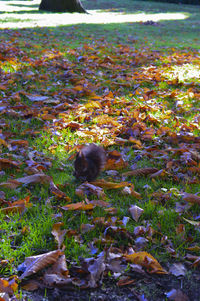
x: 81, y: 166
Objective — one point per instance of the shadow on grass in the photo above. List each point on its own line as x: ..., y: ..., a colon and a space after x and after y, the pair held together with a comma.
x: 125, y: 6
x: 24, y: 5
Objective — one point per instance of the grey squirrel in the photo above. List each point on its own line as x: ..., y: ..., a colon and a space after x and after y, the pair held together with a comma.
x: 89, y: 161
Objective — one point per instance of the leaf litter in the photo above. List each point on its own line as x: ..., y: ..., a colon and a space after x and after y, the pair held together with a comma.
x: 112, y: 95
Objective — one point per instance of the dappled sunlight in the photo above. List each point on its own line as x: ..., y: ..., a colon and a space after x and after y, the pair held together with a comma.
x: 14, y: 16
x: 184, y: 73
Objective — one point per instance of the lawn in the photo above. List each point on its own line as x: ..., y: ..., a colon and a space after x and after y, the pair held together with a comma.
x: 126, y: 76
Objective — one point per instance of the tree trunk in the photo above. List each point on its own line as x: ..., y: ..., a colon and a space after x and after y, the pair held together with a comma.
x: 62, y: 6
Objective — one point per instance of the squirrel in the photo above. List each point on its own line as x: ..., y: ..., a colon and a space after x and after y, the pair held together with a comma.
x: 90, y: 160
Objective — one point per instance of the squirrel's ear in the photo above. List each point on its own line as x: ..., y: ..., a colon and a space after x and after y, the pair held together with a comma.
x: 81, y: 156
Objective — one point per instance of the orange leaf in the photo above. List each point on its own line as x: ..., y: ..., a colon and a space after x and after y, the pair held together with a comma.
x: 6, y: 163
x: 58, y: 233
x: 109, y: 185
x: 146, y: 260
x: 78, y: 206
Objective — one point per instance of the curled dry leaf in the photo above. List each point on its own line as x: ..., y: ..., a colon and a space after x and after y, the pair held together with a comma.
x: 192, y: 198
x: 33, y: 264
x: 18, y: 206
x: 177, y: 269
x: 90, y: 189
x: 57, y: 192
x: 109, y: 185
x: 31, y: 285
x: 125, y: 281
x: 36, y: 178
x: 6, y: 163
x: 86, y: 228
x: 160, y: 173
x: 58, y: 274
x: 194, y: 223
x: 146, y: 260
x: 58, y: 233
x: 140, y: 172
x: 136, y: 212
x: 100, y: 203
x: 78, y: 206
x: 95, y: 267
x: 55, y: 280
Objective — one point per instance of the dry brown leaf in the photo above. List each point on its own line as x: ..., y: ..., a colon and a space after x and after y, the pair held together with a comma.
x: 57, y: 192
x: 57, y: 280
x: 33, y: 264
x: 36, y: 178
x: 100, y: 203
x: 177, y: 269
x: 140, y: 172
x: 109, y: 185
x: 31, y: 285
x: 192, y: 198
x: 125, y: 281
x: 59, y: 267
x: 6, y: 163
x: 95, y: 267
x: 136, y: 212
x: 58, y: 233
x: 18, y: 206
x: 160, y: 173
x: 86, y: 228
x: 78, y: 206
x: 90, y: 189
x: 146, y: 260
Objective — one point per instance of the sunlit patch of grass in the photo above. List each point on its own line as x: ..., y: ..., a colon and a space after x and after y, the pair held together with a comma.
x: 32, y: 233
x: 184, y: 73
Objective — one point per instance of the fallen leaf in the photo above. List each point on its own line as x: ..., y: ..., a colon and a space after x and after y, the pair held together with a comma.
x: 109, y: 185
x: 192, y: 198
x: 177, y: 269
x: 8, y: 286
x: 58, y: 233
x: 78, y: 206
x: 140, y: 172
x: 136, y: 212
x: 36, y: 178
x: 89, y: 189
x: 33, y: 264
x: 6, y: 163
x: 146, y: 260
x: 177, y: 295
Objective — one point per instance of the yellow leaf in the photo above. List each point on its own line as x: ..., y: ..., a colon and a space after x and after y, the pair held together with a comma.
x: 146, y: 260
x: 109, y: 185
x: 78, y: 206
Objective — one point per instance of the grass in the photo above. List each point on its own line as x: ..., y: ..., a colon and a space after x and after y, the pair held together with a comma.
x: 68, y: 61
